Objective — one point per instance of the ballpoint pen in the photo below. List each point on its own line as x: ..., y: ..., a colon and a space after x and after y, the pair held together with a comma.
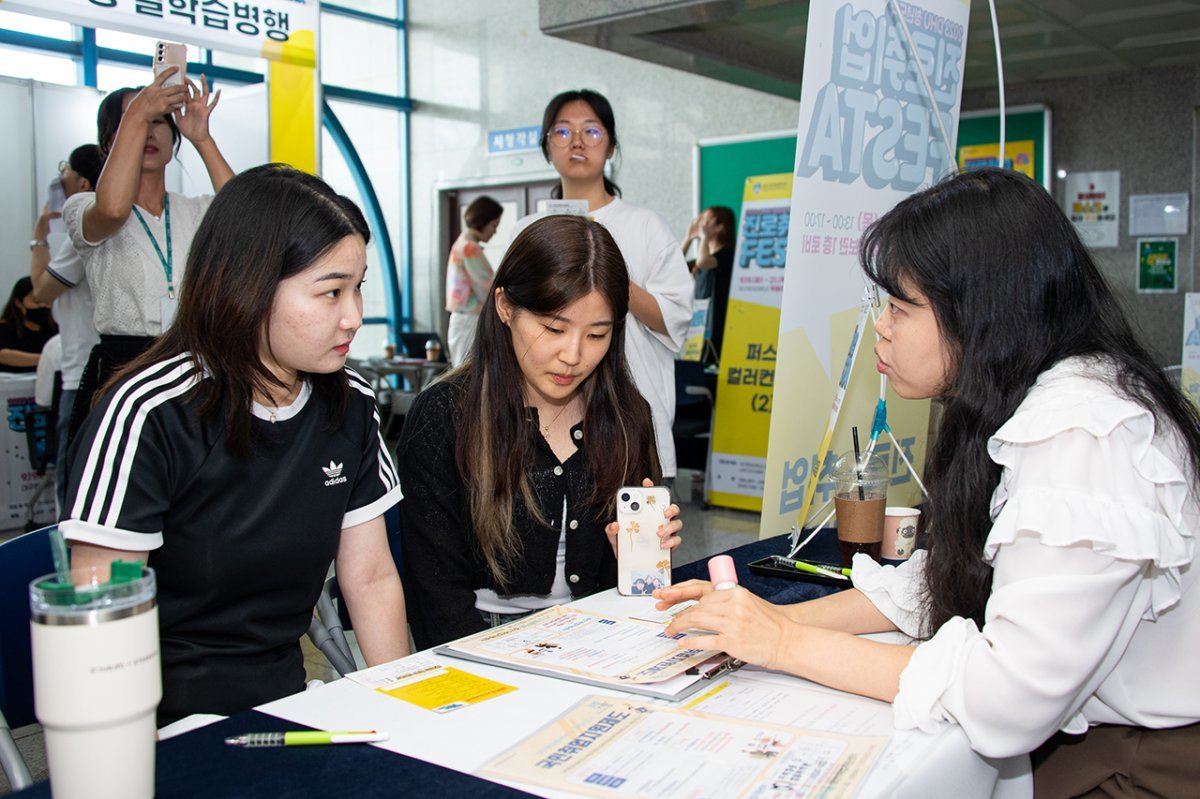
x: 305, y: 738
x: 839, y: 574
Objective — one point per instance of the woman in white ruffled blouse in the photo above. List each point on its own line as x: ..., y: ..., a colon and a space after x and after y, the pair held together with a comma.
x: 1058, y: 592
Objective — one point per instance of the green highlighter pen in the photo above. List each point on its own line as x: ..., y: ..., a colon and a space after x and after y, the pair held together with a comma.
x: 305, y: 738
x: 840, y: 574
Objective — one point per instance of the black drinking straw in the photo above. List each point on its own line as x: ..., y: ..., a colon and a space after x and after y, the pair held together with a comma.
x: 857, y: 462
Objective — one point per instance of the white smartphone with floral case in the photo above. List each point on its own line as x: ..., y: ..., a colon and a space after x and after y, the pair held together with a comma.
x: 642, y: 563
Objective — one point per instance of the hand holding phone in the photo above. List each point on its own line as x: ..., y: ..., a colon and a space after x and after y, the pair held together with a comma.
x: 642, y: 564
x: 167, y: 55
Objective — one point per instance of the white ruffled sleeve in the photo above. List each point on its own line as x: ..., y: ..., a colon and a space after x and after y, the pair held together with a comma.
x: 893, y: 590
x: 1087, y: 541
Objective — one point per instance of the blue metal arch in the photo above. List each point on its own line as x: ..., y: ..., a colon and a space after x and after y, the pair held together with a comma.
x: 374, y: 213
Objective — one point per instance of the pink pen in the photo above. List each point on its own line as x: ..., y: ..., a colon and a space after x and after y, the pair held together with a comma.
x: 722, y: 572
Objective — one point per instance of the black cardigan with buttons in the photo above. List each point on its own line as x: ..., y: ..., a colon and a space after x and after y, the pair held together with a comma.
x: 443, y: 564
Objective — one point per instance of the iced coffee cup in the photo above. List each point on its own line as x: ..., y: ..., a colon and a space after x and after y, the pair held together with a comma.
x: 97, y: 681
x: 860, y: 496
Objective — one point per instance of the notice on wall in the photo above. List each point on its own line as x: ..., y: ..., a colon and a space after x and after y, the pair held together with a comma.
x: 1091, y: 202
x: 1156, y: 265
x: 1158, y: 214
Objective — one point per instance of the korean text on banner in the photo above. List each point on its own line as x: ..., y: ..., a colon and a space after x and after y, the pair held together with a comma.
x: 746, y: 381
x: 20, y: 482
x: 869, y: 135
x: 259, y: 28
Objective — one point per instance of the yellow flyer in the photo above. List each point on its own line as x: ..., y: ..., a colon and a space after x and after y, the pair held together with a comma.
x: 430, y: 685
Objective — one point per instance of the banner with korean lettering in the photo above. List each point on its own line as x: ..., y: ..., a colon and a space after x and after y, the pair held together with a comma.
x: 868, y: 136
x: 746, y: 381
x: 278, y: 30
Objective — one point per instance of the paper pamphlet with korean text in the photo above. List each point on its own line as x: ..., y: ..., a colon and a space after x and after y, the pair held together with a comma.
x: 606, y: 746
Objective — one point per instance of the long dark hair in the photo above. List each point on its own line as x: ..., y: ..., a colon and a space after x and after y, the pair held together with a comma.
x: 482, y: 210
x: 108, y: 120
x: 264, y: 226
x: 14, y: 313
x: 603, y: 110
x: 1014, y: 291
x: 552, y: 263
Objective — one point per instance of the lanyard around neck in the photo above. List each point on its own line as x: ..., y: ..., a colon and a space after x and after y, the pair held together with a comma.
x: 165, y: 261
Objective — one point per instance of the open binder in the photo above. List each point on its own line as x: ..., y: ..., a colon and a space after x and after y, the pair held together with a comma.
x: 595, y: 649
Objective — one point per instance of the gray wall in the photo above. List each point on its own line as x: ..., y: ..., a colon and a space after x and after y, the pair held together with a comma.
x: 479, y: 65
x: 1144, y: 124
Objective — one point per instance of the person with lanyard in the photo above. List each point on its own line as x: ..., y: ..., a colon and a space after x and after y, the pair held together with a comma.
x: 132, y: 234
x: 1057, y: 608
x: 579, y: 137
x: 511, y: 463
x: 256, y: 459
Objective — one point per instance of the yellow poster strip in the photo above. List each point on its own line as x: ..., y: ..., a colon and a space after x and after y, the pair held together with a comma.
x: 746, y: 380
x: 293, y: 105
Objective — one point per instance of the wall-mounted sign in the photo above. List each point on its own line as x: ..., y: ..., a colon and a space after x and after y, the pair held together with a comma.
x: 1091, y: 203
x: 514, y: 140
x: 1157, y: 265
x: 1158, y: 214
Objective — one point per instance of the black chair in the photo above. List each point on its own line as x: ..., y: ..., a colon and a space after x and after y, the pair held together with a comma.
x: 692, y: 430
x: 331, y: 620
x: 414, y: 342
x: 41, y: 439
x: 22, y: 560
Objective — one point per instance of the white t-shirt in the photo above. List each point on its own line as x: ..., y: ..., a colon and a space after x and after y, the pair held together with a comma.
x: 655, y: 262
x: 74, y: 310
x: 48, y: 364
x: 127, y: 277
x: 1094, y: 613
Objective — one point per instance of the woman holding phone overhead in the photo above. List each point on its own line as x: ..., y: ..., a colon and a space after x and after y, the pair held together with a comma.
x: 579, y: 137
x: 249, y: 456
x: 132, y: 234
x: 512, y: 462
x: 1058, y: 607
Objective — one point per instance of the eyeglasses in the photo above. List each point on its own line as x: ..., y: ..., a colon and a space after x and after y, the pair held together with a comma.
x: 561, y: 135
x: 63, y: 166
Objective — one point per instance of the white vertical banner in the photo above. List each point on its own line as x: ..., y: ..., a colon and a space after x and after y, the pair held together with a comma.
x: 869, y: 135
x: 1189, y: 377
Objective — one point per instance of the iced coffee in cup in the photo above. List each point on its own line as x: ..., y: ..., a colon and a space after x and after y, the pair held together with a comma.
x: 860, y: 496
x: 97, y: 680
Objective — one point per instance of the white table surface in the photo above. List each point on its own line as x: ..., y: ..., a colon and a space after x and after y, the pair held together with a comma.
x: 916, y: 764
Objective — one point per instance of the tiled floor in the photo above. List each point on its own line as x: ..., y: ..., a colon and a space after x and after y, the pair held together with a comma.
x: 705, y: 532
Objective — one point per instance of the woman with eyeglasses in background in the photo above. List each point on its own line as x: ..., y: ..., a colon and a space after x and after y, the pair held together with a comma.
x: 579, y: 137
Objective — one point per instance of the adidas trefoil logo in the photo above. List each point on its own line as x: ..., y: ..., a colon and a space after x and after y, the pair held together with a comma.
x: 334, y: 472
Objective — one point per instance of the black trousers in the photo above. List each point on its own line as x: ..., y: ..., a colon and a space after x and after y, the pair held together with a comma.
x: 105, y: 360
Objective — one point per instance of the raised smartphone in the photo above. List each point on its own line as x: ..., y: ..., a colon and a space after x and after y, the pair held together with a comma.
x: 642, y: 564
x: 167, y: 55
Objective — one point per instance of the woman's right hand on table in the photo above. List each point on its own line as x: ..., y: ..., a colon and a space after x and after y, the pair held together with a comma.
x: 681, y: 592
